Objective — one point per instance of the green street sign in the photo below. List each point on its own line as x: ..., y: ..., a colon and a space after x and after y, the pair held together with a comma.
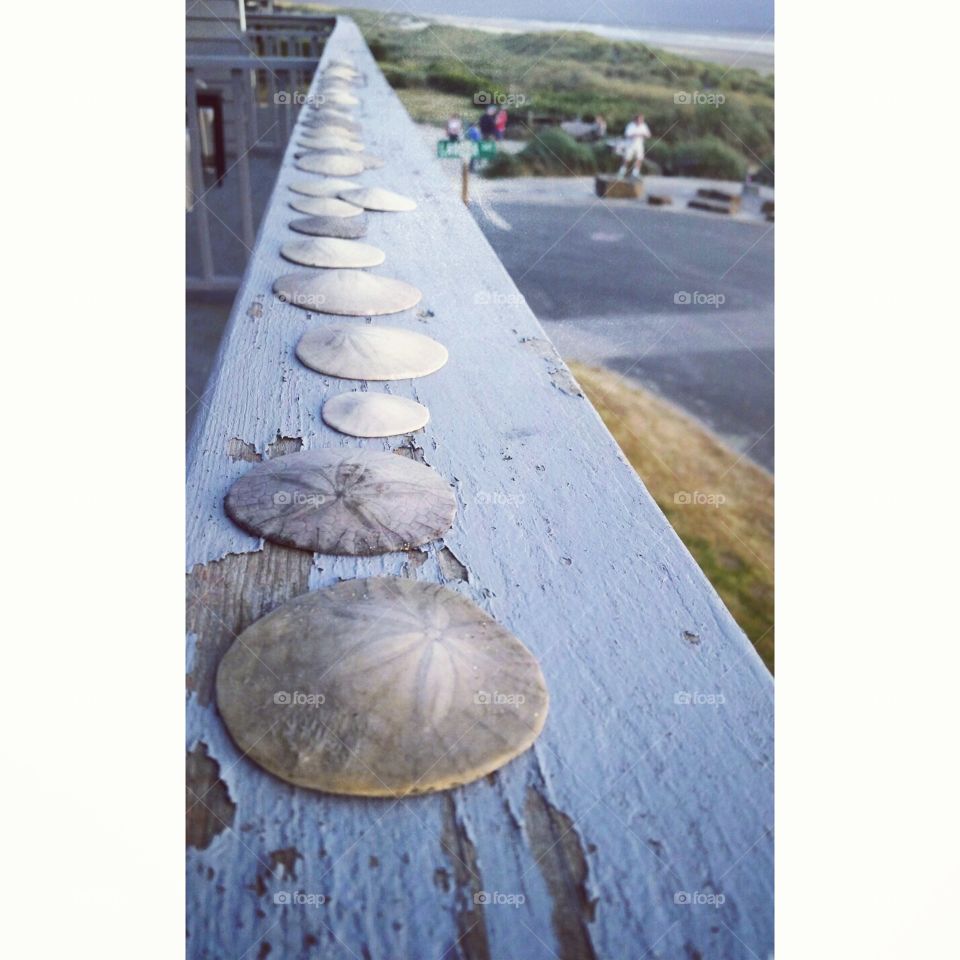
x: 484, y: 149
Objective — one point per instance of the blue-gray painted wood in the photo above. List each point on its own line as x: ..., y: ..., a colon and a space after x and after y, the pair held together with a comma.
x: 629, y: 799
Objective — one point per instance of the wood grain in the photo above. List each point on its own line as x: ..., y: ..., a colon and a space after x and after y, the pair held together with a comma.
x: 630, y: 798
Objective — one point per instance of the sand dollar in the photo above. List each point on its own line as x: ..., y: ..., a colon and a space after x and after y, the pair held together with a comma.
x: 331, y: 130
x: 347, y: 293
x: 348, y: 228
x: 343, y: 501
x: 325, y: 207
x: 329, y: 115
x: 340, y: 98
x: 331, y: 164
x: 323, y: 142
x: 381, y: 687
x: 374, y: 414
x: 376, y: 198
x: 358, y: 351
x: 322, y: 187
x: 332, y: 252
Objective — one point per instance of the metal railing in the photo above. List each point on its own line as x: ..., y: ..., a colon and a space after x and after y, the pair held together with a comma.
x: 254, y: 96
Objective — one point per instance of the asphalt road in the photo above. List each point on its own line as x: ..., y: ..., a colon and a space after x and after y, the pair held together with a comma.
x: 680, y: 302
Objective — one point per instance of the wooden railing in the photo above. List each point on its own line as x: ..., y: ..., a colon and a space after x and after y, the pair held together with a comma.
x: 640, y: 822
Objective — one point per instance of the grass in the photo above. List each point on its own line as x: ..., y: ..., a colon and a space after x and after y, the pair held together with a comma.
x: 732, y: 539
x: 439, y: 69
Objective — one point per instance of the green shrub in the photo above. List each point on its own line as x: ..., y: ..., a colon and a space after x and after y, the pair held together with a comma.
x: 554, y: 153
x: 765, y: 174
x: 452, y: 77
x: 706, y: 157
x: 503, y: 165
x: 606, y: 159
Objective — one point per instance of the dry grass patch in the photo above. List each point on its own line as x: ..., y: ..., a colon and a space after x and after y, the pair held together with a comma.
x: 720, y: 506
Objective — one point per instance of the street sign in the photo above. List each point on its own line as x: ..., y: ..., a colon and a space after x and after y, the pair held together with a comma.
x: 451, y: 149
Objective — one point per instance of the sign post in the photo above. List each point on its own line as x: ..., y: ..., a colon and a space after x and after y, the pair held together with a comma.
x: 465, y: 150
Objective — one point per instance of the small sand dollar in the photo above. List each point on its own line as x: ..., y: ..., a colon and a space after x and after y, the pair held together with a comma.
x: 376, y: 198
x: 347, y: 293
x: 331, y: 130
x: 341, y: 75
x: 331, y: 252
x: 356, y: 351
x: 347, y: 228
x: 343, y: 501
x: 325, y: 207
x: 340, y: 98
x: 331, y: 143
x: 324, y: 187
x: 374, y: 414
x: 331, y: 164
x: 329, y: 115
x: 381, y: 687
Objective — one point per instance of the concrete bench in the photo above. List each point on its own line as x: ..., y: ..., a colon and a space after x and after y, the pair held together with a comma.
x: 640, y: 823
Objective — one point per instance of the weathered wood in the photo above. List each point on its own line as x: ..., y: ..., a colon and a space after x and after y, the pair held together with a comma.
x: 582, y: 847
x: 618, y: 187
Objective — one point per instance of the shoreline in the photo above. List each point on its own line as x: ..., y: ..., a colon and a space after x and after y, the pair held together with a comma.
x: 755, y: 51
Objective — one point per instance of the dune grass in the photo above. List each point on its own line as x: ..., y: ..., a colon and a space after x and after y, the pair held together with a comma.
x: 438, y: 70
x: 721, y: 506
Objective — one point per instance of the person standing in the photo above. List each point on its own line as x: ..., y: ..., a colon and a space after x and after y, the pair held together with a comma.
x: 500, y: 123
x: 473, y: 137
x: 454, y: 128
x: 488, y: 123
x: 637, y: 131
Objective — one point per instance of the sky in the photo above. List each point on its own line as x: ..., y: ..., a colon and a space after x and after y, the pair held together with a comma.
x: 752, y: 16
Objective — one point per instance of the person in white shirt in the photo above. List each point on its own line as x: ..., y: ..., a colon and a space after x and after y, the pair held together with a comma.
x: 637, y: 131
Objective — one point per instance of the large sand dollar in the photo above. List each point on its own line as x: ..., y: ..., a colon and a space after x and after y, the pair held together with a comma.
x: 331, y: 164
x: 381, y: 687
x: 358, y: 351
x: 347, y: 293
x: 331, y: 252
x: 347, y: 228
x: 343, y: 501
x: 323, y: 187
x: 325, y: 207
x: 374, y: 414
x: 376, y: 198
